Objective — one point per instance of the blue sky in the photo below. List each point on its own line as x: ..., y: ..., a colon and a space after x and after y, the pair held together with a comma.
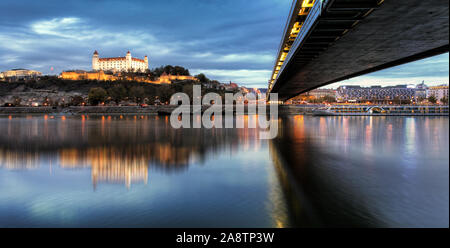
x: 227, y: 40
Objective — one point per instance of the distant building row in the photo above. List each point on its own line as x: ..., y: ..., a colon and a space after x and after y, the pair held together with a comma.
x: 377, y: 94
x: 390, y: 94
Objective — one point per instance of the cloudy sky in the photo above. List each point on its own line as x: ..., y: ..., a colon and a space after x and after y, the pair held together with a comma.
x: 225, y: 39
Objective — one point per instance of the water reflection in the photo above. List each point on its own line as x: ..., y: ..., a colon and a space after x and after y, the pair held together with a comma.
x: 364, y: 171
x: 133, y: 144
x: 319, y: 171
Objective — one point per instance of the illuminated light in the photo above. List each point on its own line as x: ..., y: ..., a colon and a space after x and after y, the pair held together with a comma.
x: 304, y: 10
x: 308, y: 3
x: 63, y: 118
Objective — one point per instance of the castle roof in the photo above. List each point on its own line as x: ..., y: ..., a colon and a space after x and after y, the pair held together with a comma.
x: 96, y: 52
x: 136, y: 59
x: 112, y: 59
x: 120, y: 59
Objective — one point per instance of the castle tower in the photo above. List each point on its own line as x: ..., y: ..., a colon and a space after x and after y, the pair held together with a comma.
x: 95, y: 61
x: 146, y: 61
x: 128, y: 60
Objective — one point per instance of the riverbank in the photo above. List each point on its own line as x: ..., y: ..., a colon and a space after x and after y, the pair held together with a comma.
x: 167, y: 110
x: 157, y: 110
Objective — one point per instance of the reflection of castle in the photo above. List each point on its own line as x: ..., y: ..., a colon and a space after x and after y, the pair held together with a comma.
x: 116, y: 155
x: 107, y: 165
x: 12, y: 160
x: 124, y: 164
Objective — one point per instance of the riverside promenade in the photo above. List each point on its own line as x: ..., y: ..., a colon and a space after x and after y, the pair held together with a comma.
x: 283, y: 110
x: 150, y: 110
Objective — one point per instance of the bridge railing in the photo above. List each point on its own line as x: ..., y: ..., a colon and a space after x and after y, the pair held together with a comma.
x: 313, y: 15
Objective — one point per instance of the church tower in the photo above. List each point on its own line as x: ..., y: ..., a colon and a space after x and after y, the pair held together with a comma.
x: 95, y: 61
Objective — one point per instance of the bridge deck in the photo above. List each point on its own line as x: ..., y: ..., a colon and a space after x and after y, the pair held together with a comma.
x: 349, y: 38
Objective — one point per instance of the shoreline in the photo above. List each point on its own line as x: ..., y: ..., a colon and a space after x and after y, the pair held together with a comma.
x: 283, y: 110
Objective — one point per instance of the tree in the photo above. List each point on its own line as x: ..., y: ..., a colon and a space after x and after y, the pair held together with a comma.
x: 137, y: 93
x: 328, y: 98
x: 444, y: 100
x: 188, y: 90
x: 202, y: 78
x: 97, y: 95
x: 432, y: 99
x: 178, y: 70
x: 76, y: 100
x: 117, y: 93
x: 17, y: 101
x: 165, y: 92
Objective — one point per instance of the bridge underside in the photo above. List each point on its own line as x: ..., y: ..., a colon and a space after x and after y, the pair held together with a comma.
x: 352, y: 38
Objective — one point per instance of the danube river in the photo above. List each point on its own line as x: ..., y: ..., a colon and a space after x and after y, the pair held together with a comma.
x: 137, y: 171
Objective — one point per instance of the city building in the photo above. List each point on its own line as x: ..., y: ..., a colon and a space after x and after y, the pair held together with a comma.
x: 19, y: 75
x: 376, y: 94
x: 315, y: 95
x: 231, y: 86
x: 319, y: 93
x: 126, y: 63
x: 421, y: 91
x: 439, y: 92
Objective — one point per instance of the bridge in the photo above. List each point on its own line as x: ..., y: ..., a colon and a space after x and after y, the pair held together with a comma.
x: 327, y: 41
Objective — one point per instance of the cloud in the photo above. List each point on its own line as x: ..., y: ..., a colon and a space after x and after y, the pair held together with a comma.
x: 433, y: 70
x: 67, y: 27
x: 231, y: 40
x: 233, y: 57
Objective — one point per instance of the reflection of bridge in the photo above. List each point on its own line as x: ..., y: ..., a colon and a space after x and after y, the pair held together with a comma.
x: 326, y: 41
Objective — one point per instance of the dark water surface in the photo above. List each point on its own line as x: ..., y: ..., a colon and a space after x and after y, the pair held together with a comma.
x: 137, y: 171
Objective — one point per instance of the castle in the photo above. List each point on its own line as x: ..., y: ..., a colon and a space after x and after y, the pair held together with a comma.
x: 126, y: 63
x: 112, y: 69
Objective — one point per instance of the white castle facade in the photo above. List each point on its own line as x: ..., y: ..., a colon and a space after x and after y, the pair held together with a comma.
x: 126, y: 63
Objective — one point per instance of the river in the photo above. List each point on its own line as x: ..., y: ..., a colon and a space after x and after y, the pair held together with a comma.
x: 138, y: 171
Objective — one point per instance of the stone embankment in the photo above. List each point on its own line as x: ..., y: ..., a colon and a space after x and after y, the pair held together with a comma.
x: 160, y: 110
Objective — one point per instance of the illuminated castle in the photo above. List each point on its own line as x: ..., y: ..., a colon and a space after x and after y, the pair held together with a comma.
x: 126, y: 63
